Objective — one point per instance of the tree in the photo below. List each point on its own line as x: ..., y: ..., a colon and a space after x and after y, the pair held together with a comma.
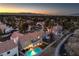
x: 1, y: 32
x: 20, y: 25
x: 23, y: 26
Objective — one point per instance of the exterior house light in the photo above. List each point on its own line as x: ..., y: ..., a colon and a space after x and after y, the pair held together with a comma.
x: 38, y: 37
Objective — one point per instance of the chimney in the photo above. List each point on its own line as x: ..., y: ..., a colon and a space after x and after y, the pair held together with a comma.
x: 15, y: 40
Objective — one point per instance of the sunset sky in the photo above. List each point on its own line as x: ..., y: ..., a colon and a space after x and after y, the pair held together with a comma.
x: 43, y: 8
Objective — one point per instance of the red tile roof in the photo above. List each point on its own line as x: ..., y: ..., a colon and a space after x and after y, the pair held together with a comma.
x: 7, y: 45
x: 28, y: 36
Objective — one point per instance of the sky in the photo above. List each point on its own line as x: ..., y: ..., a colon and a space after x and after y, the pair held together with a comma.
x: 41, y: 8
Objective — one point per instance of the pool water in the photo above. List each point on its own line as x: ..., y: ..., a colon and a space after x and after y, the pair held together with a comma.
x: 33, y: 52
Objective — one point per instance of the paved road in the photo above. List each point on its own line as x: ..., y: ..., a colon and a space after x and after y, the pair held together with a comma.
x: 51, y: 47
x: 60, y: 44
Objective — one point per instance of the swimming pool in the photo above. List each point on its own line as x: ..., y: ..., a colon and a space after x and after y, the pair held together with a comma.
x: 33, y: 52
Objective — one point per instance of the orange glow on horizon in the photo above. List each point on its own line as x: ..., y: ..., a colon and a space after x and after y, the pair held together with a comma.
x: 21, y: 10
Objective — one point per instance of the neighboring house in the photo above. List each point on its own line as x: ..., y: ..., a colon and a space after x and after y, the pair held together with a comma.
x: 8, y: 29
x: 57, y: 29
x: 2, y: 26
x: 8, y: 48
x: 29, y: 28
x: 41, y: 23
x: 5, y: 28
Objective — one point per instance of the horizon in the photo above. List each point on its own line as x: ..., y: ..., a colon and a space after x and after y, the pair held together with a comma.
x: 41, y: 8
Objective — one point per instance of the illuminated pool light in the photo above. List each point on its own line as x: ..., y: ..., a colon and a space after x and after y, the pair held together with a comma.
x: 33, y: 52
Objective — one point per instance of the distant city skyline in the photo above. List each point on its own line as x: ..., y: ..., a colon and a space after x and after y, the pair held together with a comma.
x: 41, y: 8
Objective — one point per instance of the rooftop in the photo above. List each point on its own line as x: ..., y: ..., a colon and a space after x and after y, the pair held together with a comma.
x: 7, y: 45
x: 25, y: 37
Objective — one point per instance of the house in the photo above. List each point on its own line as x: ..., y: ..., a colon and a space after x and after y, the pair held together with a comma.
x: 5, y: 28
x: 57, y: 29
x: 8, y: 29
x: 8, y: 48
x: 2, y: 26
x: 26, y: 39
x: 41, y: 24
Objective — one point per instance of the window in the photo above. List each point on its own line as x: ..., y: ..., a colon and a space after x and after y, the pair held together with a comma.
x: 1, y: 55
x: 15, y: 55
x: 8, y: 52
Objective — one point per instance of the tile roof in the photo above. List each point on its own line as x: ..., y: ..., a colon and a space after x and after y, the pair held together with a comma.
x: 7, y: 45
x: 28, y: 36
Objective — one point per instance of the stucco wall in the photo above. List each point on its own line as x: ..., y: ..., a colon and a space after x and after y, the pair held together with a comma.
x: 12, y: 52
